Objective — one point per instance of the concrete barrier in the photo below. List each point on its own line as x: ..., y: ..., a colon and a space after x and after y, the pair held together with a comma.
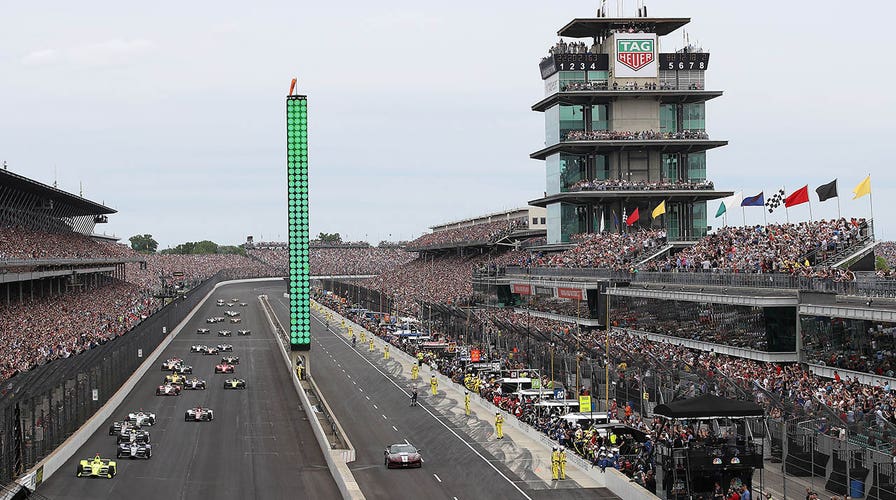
x: 52, y: 462
x: 336, y: 459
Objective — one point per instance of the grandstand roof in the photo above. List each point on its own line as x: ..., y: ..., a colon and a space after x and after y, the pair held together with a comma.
x: 590, y: 97
x: 78, y: 205
x: 601, y: 26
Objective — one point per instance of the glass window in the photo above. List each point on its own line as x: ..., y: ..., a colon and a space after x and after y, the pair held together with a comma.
x: 699, y: 229
x: 598, y: 76
x: 572, y: 171
x: 535, y: 221
x: 850, y: 344
x: 693, y: 116
x: 601, y: 167
x: 552, y: 169
x: 570, y: 76
x: 542, y: 220
x: 554, y: 219
x: 552, y: 126
x: 697, y: 166
x: 571, y: 118
x: 573, y: 218
x: 669, y: 168
x: 599, y: 117
x: 668, y: 118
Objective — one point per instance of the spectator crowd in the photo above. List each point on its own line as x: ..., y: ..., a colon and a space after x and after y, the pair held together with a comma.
x: 467, y: 235
x: 626, y: 135
x: 625, y: 185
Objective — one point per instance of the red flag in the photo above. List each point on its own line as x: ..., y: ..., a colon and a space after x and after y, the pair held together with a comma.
x: 798, y: 197
x: 634, y: 217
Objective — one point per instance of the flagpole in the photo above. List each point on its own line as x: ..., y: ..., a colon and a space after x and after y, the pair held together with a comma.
x: 786, y: 212
x: 837, y: 188
x: 870, y: 200
x: 810, y: 209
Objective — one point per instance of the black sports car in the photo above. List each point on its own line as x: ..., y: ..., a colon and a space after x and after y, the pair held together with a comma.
x: 403, y: 455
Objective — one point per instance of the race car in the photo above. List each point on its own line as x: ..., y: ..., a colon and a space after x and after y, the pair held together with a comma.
x: 235, y: 383
x: 219, y: 302
x: 132, y: 435
x: 234, y: 299
x: 403, y: 455
x: 225, y: 333
x: 118, y: 426
x: 216, y: 319
x: 224, y: 368
x: 232, y: 313
x: 244, y: 332
x: 182, y: 368
x: 210, y: 350
x: 168, y: 390
x: 202, y: 331
x: 134, y: 450
x: 141, y: 418
x: 243, y: 304
x: 97, y: 467
x: 236, y: 320
x: 230, y: 360
x: 170, y: 363
x: 198, y: 348
x: 175, y: 379
x: 199, y: 414
x: 194, y: 384
x: 225, y: 347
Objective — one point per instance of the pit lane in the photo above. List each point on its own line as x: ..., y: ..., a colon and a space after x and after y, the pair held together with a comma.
x: 260, y: 444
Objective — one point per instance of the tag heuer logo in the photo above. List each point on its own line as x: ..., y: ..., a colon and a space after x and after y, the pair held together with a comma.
x: 634, y: 53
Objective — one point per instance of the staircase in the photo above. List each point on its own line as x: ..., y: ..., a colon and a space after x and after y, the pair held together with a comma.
x: 664, y: 249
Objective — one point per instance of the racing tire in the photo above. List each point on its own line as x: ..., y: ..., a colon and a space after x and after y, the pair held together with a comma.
x: 112, y: 471
x: 186, y: 418
x: 149, y: 453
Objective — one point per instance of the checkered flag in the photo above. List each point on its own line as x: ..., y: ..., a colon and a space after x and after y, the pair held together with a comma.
x: 775, y: 201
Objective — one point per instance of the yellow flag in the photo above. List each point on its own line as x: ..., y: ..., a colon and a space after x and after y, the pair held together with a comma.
x: 659, y: 210
x: 862, y: 189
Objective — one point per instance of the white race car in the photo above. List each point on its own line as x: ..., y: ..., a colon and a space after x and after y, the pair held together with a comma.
x: 199, y: 414
x: 202, y: 331
x: 141, y: 418
x: 225, y: 347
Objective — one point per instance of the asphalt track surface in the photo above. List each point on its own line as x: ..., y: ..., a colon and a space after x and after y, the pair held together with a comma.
x: 375, y: 413
x: 260, y: 444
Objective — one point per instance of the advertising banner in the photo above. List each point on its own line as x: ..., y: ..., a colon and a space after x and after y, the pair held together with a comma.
x: 521, y: 289
x: 635, y: 55
x: 570, y: 293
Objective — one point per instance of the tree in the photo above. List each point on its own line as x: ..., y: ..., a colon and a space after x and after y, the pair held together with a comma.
x: 880, y: 264
x: 144, y: 243
x: 330, y: 238
x: 205, y: 247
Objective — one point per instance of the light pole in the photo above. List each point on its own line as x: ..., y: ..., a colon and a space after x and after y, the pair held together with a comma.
x: 552, y: 365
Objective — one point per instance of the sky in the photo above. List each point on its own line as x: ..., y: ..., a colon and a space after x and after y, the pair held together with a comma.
x: 173, y: 113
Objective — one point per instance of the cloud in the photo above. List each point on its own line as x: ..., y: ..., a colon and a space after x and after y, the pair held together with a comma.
x: 107, y: 53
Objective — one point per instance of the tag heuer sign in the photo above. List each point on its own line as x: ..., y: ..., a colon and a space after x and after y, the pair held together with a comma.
x: 635, y: 54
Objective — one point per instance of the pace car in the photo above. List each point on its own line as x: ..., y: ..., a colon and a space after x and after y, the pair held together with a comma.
x: 141, y: 418
x: 235, y: 383
x: 230, y: 360
x: 199, y: 414
x: 97, y: 467
x: 244, y: 332
x: 132, y: 435
x: 224, y: 368
x: 134, y: 450
x: 225, y: 347
x: 236, y: 320
x: 194, y: 384
x: 225, y: 333
x: 403, y: 455
x: 202, y: 331
x: 168, y: 390
x: 170, y: 363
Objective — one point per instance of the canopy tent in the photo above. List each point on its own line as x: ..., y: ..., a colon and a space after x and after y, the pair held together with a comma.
x: 709, y: 406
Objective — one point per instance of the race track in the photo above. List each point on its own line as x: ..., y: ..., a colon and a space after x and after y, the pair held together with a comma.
x: 260, y: 444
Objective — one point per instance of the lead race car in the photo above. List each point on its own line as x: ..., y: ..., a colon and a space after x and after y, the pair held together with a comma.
x: 403, y: 455
x: 134, y: 450
x: 97, y: 467
x: 199, y: 414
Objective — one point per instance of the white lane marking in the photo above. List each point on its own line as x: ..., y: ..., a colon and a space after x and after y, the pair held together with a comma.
x: 394, y: 428
x: 437, y: 477
x: 349, y: 375
x: 376, y: 407
x: 384, y: 418
x: 362, y: 390
x: 453, y: 498
x: 407, y: 394
x: 406, y: 442
x: 354, y: 382
x: 368, y: 398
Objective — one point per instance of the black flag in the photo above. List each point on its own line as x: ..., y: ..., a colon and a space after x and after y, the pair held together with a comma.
x: 827, y: 191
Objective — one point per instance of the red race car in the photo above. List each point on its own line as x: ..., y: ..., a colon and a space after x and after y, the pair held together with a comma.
x: 224, y: 368
x: 403, y: 455
x: 168, y: 390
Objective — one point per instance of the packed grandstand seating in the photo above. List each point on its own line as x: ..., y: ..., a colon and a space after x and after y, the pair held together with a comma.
x: 775, y: 248
x: 623, y: 185
x: 617, y: 251
x: 343, y: 260
x: 627, y: 135
x: 18, y: 243
x: 469, y: 235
